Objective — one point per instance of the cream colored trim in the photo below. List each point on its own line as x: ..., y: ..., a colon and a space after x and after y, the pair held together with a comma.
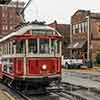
x: 60, y: 48
x: 14, y: 49
x: 27, y: 46
x: 33, y: 76
x: 24, y: 65
x: 11, y: 47
x: 38, y: 44
x: 8, y: 48
x: 50, y: 46
x: 55, y: 47
x: 29, y: 55
x: 42, y: 55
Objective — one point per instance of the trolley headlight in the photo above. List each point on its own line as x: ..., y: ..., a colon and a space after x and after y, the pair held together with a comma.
x: 44, y: 67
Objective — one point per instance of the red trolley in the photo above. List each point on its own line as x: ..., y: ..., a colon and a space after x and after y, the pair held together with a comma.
x: 31, y: 55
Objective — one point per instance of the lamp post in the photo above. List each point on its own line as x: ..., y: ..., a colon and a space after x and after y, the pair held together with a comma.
x: 89, y: 46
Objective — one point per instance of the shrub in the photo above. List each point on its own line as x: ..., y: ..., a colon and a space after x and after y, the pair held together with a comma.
x: 98, y: 59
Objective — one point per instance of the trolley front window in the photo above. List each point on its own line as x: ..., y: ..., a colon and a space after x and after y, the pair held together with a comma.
x: 44, y: 46
x: 32, y: 45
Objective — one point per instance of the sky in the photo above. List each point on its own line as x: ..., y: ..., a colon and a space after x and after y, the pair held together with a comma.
x: 60, y: 10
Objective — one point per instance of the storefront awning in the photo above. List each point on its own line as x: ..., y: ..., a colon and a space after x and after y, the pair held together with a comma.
x: 76, y: 45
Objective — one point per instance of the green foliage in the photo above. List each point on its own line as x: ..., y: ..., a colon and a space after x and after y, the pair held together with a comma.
x: 98, y: 49
x: 98, y: 58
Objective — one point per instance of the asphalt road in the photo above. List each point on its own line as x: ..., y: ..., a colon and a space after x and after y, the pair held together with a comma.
x: 85, y: 79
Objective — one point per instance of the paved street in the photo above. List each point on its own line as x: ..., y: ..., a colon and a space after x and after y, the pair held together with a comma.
x: 89, y: 80
x: 77, y: 79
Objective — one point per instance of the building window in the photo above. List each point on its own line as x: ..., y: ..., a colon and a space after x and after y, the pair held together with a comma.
x: 11, y: 27
x: 79, y: 28
x: 3, y: 14
x: 73, y: 29
x: 83, y: 27
x: 86, y: 26
x: 76, y: 28
x: 6, y: 27
x: 3, y: 27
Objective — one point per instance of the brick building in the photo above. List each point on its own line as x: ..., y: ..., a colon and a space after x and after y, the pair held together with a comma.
x: 64, y: 30
x: 85, y: 34
x: 4, y: 1
x: 8, y: 17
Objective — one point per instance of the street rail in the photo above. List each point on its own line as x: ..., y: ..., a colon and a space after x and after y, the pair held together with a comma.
x: 72, y: 89
x: 67, y: 91
x: 16, y: 92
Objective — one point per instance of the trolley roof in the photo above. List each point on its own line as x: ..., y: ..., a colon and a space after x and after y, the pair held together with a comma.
x: 24, y: 29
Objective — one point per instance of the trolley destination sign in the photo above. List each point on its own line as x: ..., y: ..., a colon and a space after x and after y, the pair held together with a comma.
x: 42, y: 32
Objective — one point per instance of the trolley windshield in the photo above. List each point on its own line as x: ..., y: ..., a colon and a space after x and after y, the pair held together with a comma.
x: 38, y: 46
x: 43, y: 46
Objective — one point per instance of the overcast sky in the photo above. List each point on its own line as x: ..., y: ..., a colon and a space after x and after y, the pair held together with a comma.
x: 60, y: 10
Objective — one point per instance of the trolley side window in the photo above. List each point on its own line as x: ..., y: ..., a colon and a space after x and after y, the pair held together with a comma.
x: 0, y: 50
x: 20, y: 46
x: 44, y: 46
x: 58, y: 46
x: 53, y: 46
x: 32, y: 45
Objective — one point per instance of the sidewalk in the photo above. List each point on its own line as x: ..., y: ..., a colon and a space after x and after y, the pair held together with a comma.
x: 5, y: 96
x: 94, y: 71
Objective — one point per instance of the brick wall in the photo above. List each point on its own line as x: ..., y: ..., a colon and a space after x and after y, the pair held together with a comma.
x: 8, y: 19
x: 80, y: 17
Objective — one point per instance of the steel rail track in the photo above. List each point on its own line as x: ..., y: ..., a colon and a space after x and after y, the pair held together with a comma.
x: 71, y: 88
x: 63, y: 92
x: 67, y: 94
x: 19, y: 93
x: 75, y: 96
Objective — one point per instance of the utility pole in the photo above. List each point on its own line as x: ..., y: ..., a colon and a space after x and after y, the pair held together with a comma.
x: 20, y: 13
x: 88, y: 38
x: 89, y: 53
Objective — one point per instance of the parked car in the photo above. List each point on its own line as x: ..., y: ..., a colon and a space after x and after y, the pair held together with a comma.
x: 72, y: 63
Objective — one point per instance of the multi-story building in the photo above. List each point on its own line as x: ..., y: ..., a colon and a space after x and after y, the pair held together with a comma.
x: 8, y: 17
x: 64, y: 30
x: 85, y: 34
x: 4, y: 1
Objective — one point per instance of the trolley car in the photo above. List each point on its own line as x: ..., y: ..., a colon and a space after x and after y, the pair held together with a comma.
x: 31, y: 55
